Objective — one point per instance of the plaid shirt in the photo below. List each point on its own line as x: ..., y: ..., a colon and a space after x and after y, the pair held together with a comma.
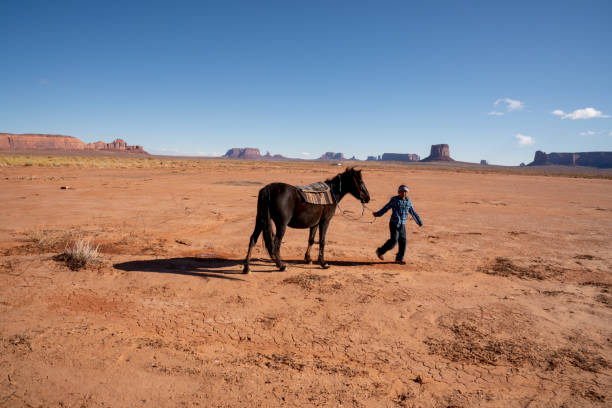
x: 401, y: 210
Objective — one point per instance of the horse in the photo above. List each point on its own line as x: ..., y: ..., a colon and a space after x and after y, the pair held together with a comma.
x: 282, y: 204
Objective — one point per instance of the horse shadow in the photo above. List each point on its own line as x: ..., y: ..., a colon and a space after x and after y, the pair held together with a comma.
x: 221, y: 268
x: 188, y: 266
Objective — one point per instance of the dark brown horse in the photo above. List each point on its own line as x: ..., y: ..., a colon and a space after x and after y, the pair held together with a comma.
x: 282, y: 204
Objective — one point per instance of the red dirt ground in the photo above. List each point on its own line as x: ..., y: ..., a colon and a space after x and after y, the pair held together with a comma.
x: 505, y: 299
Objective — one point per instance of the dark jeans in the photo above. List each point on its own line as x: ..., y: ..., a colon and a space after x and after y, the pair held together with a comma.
x: 397, y: 234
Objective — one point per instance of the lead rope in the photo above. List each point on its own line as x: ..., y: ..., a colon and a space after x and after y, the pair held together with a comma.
x: 343, y: 213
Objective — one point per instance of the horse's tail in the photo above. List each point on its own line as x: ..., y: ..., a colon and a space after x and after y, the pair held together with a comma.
x: 264, y: 219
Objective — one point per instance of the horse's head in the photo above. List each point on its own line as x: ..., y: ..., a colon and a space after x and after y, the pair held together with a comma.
x: 357, y: 186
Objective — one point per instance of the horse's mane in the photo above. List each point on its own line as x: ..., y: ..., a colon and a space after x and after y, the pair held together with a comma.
x: 347, y: 171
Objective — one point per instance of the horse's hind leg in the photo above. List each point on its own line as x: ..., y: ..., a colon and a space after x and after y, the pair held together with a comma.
x: 252, y: 242
x: 278, y: 239
x: 311, y: 238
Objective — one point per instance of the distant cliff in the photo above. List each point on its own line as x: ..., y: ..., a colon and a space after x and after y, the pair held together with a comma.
x: 250, y: 153
x: 602, y: 160
x: 400, y: 157
x: 34, y: 141
x: 332, y: 156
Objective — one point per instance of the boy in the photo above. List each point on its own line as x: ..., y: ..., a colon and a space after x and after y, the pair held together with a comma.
x: 402, y: 206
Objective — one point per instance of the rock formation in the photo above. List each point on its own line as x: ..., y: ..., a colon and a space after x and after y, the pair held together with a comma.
x: 484, y: 162
x: 332, y: 156
x: 602, y: 160
x: 371, y: 158
x: 247, y: 153
x: 400, y: 157
x: 439, y: 152
x: 29, y: 141
x: 251, y: 153
x: 269, y: 156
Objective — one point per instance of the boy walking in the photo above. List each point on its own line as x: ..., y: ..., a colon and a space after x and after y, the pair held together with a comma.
x: 401, y: 206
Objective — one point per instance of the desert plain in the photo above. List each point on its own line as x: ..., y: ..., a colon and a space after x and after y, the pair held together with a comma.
x: 505, y: 299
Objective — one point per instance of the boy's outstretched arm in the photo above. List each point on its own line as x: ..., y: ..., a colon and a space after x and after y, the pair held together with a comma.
x: 383, y: 210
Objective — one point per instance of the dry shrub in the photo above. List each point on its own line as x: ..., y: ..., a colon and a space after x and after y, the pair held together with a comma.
x: 606, y: 300
x: 604, y: 287
x: 79, y: 255
x: 43, y: 239
x: 504, y: 267
x: 472, y: 343
x: 586, y: 257
x: 305, y: 280
x: 332, y: 368
x: 587, y: 393
x: 19, y: 341
x: 275, y: 361
x: 583, y: 359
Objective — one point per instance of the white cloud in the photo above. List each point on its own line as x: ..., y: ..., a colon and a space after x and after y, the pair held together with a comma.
x: 493, y: 113
x: 306, y: 154
x: 524, y: 140
x: 511, y: 104
x: 586, y: 113
x: 587, y: 133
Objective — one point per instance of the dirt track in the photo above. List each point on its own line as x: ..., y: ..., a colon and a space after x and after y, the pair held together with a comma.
x: 505, y: 300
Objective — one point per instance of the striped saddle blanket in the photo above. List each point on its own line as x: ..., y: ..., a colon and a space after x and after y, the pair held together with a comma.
x: 316, y: 193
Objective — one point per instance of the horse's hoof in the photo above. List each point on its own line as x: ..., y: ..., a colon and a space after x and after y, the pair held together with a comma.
x: 245, y: 270
x: 282, y: 268
x: 308, y: 261
x: 325, y: 266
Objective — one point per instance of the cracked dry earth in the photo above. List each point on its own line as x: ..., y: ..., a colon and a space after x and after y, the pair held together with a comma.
x: 504, y: 301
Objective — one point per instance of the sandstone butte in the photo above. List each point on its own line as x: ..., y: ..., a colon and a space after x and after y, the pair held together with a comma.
x: 439, y: 152
x: 43, y: 142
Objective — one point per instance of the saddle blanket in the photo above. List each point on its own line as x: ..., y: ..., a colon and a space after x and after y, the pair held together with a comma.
x: 316, y: 193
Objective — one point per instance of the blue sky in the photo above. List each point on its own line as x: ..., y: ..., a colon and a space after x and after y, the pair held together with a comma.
x: 301, y: 78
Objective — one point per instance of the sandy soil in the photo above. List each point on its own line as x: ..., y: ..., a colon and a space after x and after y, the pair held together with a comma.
x: 505, y: 299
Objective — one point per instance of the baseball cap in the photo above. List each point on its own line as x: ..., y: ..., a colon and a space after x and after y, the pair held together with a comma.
x: 403, y: 188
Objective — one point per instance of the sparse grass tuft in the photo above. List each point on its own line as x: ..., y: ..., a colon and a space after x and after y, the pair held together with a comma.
x: 79, y: 255
x: 43, y: 240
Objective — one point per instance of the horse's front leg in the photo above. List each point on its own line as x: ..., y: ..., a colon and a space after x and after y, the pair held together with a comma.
x: 313, y: 231
x: 322, y: 231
